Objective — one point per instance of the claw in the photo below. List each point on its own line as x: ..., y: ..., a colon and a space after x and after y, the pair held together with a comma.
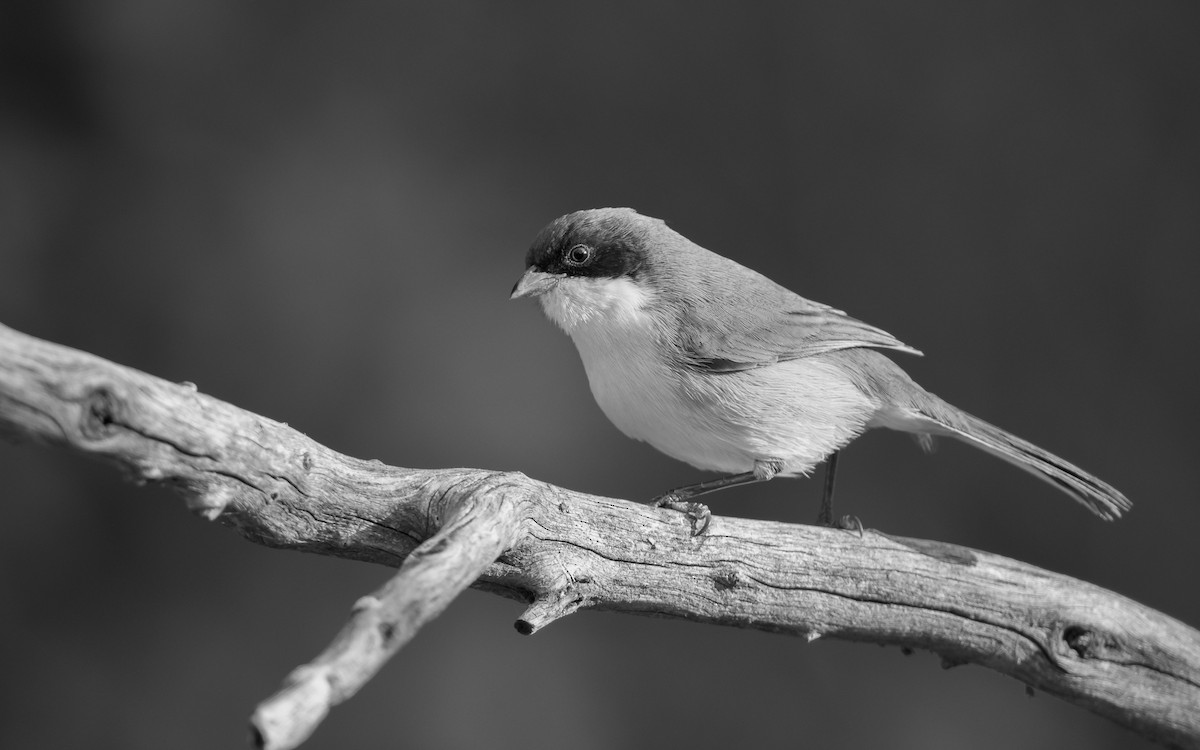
x: 849, y: 523
x: 698, y: 514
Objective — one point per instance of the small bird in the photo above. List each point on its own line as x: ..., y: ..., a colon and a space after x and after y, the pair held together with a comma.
x: 716, y: 365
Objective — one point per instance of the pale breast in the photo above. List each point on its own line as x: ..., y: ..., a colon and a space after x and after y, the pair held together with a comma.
x: 645, y: 399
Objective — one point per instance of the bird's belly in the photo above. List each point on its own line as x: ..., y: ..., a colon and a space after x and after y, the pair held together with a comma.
x: 644, y: 403
x: 795, y: 412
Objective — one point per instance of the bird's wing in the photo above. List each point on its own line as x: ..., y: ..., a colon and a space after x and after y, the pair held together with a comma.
x: 774, y: 326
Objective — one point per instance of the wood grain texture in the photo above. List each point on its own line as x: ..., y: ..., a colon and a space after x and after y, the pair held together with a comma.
x: 561, y: 551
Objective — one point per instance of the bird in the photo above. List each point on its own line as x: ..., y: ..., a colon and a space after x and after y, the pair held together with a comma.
x: 718, y: 366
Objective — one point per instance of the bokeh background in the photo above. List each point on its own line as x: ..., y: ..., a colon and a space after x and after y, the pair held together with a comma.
x: 316, y: 211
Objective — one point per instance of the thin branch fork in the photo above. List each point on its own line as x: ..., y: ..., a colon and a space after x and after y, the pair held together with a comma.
x: 561, y: 551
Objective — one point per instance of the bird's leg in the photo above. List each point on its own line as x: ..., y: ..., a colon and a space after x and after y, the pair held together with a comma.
x: 825, y: 518
x: 698, y: 513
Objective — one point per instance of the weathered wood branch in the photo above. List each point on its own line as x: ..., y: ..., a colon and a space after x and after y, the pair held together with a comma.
x: 562, y: 551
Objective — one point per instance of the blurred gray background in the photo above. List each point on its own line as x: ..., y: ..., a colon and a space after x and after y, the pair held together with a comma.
x: 316, y: 211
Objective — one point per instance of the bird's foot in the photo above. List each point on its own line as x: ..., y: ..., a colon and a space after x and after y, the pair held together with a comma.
x: 697, y: 514
x: 845, y: 523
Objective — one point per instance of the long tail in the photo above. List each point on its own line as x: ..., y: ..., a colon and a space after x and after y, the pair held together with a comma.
x: 941, y: 418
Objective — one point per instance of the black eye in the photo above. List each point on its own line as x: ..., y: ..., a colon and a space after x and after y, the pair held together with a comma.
x: 578, y: 255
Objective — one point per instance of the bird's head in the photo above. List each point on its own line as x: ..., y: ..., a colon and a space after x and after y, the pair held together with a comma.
x: 594, y: 266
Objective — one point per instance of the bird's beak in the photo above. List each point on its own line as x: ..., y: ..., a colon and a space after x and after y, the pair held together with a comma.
x: 534, y: 283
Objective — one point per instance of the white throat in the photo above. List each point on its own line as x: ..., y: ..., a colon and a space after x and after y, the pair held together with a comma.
x: 576, y: 304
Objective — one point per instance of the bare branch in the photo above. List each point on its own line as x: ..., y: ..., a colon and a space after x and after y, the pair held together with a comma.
x: 428, y: 580
x: 561, y: 551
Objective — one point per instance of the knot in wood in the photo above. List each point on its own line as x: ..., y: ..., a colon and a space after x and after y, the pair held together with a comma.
x: 725, y: 579
x: 1082, y: 641
x: 101, y: 409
